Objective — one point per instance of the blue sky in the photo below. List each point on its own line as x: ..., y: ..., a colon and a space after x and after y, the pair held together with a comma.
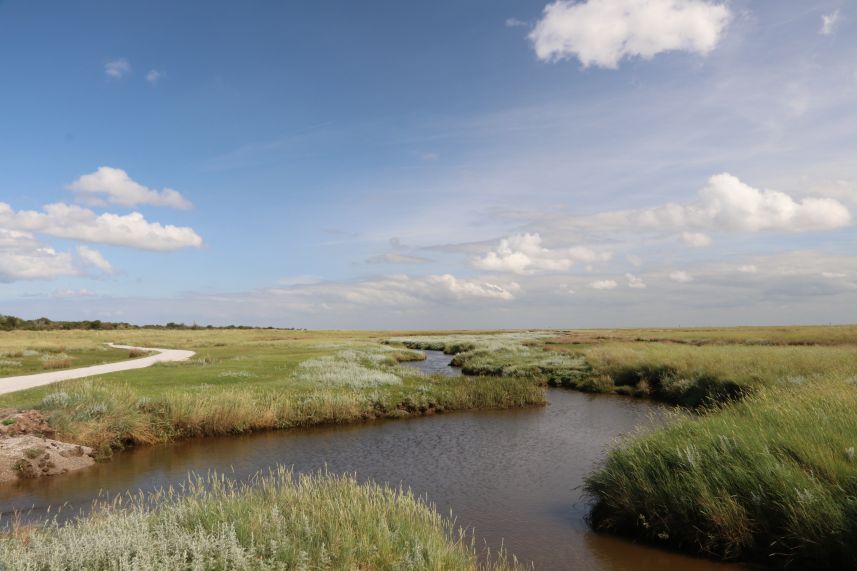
x: 446, y: 164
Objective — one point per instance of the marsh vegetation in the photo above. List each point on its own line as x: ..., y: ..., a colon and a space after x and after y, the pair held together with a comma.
x: 276, y: 521
x: 759, y: 465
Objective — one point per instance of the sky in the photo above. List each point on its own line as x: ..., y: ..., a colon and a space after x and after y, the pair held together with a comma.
x: 447, y: 164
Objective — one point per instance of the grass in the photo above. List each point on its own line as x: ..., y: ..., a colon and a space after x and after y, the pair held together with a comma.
x: 22, y: 353
x: 772, y: 478
x: 242, y: 381
x: 763, y: 468
x: 319, y: 522
x: 516, y: 355
x: 723, y: 366
x: 693, y: 375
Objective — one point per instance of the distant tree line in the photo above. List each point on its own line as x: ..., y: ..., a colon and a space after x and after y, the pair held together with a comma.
x: 11, y: 323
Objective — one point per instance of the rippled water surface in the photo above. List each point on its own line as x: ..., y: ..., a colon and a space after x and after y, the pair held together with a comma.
x: 513, y: 476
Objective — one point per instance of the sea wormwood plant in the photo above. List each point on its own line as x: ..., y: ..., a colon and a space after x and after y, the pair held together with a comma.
x: 277, y: 521
x: 354, y: 368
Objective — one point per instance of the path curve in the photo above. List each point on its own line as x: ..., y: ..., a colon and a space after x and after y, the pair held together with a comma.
x: 21, y: 382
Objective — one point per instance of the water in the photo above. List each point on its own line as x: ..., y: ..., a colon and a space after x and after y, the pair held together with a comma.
x: 514, y: 476
x: 436, y: 362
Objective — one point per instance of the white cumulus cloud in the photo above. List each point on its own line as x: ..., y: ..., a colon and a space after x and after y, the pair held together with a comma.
x: 728, y: 204
x: 524, y: 254
x: 24, y: 257
x: 603, y: 32
x: 114, y: 186
x: 76, y: 223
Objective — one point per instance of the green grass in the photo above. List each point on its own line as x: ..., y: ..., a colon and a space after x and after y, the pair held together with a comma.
x: 257, y: 380
x: 764, y: 469
x: 772, y: 478
x: 319, y: 522
x: 22, y: 359
x: 690, y: 374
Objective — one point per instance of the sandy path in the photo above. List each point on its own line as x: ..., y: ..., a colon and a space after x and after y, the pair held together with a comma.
x: 11, y: 384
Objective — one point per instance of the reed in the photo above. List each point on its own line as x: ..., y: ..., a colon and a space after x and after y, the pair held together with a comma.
x: 772, y: 478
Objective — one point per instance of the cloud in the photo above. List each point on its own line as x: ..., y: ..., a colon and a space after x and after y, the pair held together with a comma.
x: 635, y: 282
x: 603, y: 284
x: 154, y: 76
x: 734, y: 205
x: 95, y: 258
x: 76, y: 223
x: 728, y: 204
x: 748, y: 269
x: 23, y: 257
x: 524, y: 254
x: 114, y: 186
x: 603, y: 32
x: 515, y: 23
x: 681, y: 277
x: 833, y: 275
x: 400, y: 292
x: 696, y: 239
x: 397, y: 258
x: 829, y: 23
x: 462, y: 289
x: 117, y: 68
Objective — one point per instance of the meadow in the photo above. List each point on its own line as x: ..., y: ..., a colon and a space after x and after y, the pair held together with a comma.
x: 19, y: 356
x: 242, y: 381
x: 757, y: 463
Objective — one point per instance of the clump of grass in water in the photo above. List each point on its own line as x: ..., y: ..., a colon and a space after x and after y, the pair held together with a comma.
x: 509, y: 355
x: 769, y: 478
x: 278, y: 521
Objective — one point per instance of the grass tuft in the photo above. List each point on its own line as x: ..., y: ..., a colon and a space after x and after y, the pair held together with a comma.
x: 277, y: 521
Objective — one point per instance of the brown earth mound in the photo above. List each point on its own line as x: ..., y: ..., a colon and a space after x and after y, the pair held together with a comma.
x: 27, y: 451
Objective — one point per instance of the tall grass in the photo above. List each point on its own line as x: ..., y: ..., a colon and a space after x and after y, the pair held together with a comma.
x: 771, y: 478
x: 111, y: 414
x: 278, y: 521
x: 692, y: 375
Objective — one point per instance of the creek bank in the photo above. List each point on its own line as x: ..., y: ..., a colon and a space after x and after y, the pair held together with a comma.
x: 27, y: 450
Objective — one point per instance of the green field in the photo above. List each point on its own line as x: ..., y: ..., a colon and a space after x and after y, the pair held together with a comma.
x: 758, y: 465
x: 22, y: 353
x: 241, y: 381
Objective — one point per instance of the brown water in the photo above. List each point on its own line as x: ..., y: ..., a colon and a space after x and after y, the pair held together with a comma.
x: 513, y: 476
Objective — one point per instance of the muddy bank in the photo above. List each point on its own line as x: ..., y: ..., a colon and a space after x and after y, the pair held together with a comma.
x: 27, y: 450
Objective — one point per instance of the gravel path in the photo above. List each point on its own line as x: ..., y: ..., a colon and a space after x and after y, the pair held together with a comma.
x: 21, y: 382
